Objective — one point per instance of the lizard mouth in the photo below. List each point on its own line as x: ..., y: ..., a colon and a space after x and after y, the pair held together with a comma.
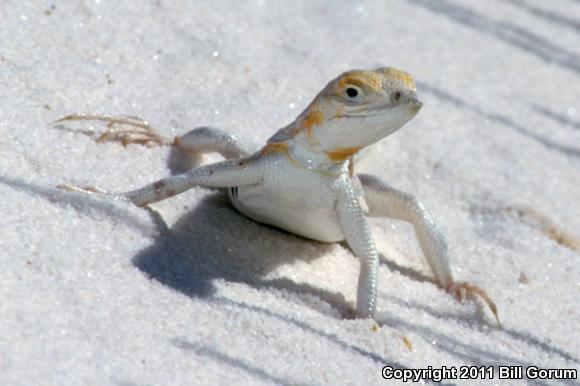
x: 369, y: 111
x: 412, y: 105
x: 415, y: 107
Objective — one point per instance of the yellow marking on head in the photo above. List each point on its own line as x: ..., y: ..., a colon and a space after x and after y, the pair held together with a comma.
x: 274, y: 148
x: 400, y: 75
x: 313, y: 118
x: 341, y: 154
x: 361, y: 79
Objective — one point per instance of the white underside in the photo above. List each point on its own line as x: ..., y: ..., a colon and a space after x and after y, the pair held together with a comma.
x: 302, y: 202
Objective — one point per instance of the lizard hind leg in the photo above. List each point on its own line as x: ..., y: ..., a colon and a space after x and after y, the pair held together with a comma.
x: 385, y: 201
x: 124, y: 129
x: 202, y: 140
x: 187, y: 149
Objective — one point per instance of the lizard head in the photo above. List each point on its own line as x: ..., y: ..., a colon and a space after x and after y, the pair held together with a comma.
x: 356, y: 109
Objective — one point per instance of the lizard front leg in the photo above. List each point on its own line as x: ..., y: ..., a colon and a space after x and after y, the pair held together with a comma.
x: 385, y: 201
x: 357, y: 233
x: 223, y: 174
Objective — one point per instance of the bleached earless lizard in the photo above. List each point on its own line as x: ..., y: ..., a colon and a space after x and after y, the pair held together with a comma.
x: 302, y: 179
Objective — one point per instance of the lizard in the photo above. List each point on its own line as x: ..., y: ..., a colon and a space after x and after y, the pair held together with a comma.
x: 302, y: 179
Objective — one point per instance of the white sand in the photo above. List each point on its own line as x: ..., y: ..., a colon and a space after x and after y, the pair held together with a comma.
x: 99, y: 293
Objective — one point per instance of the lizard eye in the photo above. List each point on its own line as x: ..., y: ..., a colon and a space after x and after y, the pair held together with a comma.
x: 352, y: 93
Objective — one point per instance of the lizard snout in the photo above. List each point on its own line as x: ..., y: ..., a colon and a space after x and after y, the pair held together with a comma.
x: 414, y: 103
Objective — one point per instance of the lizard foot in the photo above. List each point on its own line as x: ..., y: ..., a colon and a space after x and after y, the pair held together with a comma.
x: 461, y: 290
x: 126, y: 130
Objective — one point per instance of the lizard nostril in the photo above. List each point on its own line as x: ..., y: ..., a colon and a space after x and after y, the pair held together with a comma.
x: 396, y: 96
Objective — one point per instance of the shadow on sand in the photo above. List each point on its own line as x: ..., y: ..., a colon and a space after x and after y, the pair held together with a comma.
x: 213, y: 242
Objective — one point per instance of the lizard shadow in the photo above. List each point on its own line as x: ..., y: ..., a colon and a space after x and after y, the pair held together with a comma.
x: 189, y: 258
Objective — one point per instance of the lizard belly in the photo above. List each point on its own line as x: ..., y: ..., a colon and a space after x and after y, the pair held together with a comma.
x: 308, y: 213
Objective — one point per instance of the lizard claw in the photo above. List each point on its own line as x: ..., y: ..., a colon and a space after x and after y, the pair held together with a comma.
x: 125, y: 130
x: 139, y: 134
x: 461, y: 290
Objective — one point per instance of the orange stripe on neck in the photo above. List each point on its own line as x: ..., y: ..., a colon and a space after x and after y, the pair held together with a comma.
x: 274, y: 148
x: 313, y: 118
x: 341, y: 154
